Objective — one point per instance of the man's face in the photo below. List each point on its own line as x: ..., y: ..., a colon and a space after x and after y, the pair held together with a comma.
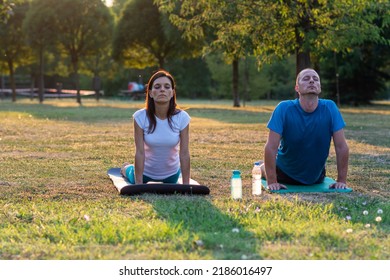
x: 308, y: 82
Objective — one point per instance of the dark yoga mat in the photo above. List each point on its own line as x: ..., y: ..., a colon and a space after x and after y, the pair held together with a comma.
x: 124, y: 187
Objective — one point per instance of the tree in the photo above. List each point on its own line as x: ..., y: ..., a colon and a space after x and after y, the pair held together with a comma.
x: 145, y: 38
x: 99, y: 63
x: 7, y: 9
x: 12, y: 45
x: 310, y: 28
x: 83, y: 28
x: 359, y: 76
x: 41, y: 34
x: 218, y: 24
x: 276, y: 29
x: 117, y: 7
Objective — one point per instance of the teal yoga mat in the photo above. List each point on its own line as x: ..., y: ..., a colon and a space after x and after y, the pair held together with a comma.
x: 323, y: 187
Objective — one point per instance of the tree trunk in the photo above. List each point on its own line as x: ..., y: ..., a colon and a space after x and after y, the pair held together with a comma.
x: 96, y: 80
x: 161, y: 62
x: 302, y: 56
x: 236, y: 96
x: 32, y: 83
x: 12, y: 79
x: 2, y: 86
x: 337, y: 79
x: 246, y: 81
x: 41, y: 78
x: 76, y: 81
x: 302, y: 60
x: 96, y: 86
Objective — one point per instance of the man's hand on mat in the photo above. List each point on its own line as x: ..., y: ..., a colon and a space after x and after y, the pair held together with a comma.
x: 276, y: 186
x: 338, y: 185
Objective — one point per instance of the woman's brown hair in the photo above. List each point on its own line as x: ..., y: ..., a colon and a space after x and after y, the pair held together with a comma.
x: 149, y: 102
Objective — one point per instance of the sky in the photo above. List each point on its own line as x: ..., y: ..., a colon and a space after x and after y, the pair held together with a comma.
x: 109, y: 2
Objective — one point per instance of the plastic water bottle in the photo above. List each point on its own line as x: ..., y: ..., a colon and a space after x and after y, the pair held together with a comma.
x: 236, y: 185
x: 256, y: 179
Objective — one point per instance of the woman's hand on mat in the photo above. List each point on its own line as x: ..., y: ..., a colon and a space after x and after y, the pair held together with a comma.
x: 338, y: 185
x: 276, y: 186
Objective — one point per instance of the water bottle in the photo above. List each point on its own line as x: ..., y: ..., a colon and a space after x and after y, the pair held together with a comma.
x: 256, y: 179
x: 236, y: 185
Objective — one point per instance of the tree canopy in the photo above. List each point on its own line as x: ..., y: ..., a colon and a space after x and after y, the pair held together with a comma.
x: 340, y: 37
x: 84, y: 27
x: 272, y: 29
x: 41, y: 34
x: 144, y: 37
x: 12, y: 46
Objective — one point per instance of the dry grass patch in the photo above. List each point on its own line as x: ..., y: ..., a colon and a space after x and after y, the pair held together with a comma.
x: 54, y: 158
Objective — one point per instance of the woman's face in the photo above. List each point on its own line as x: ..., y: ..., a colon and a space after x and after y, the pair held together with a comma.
x: 162, y: 90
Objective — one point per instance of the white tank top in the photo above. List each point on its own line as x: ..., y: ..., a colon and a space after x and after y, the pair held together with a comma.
x: 162, y: 146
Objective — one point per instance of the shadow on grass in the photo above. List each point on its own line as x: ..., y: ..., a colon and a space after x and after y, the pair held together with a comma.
x: 76, y: 114
x: 205, y: 229
x: 106, y: 113
x: 231, y: 116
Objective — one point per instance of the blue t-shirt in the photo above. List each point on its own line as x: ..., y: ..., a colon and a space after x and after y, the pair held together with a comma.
x: 305, y: 137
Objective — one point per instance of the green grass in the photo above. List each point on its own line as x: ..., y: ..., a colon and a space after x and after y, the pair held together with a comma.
x: 56, y: 201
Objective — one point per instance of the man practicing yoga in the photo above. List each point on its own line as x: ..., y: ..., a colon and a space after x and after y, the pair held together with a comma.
x: 300, y: 135
x: 159, y: 130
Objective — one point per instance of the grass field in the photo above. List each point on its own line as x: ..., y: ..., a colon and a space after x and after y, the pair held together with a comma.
x: 56, y: 201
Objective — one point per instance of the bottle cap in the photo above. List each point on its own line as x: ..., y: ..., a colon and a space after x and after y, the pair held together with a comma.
x: 257, y: 163
x: 236, y: 173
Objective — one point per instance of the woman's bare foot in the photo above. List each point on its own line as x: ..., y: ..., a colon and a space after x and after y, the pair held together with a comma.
x: 123, y: 169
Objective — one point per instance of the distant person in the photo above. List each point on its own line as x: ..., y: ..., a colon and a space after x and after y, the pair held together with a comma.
x: 161, y: 135
x: 133, y: 86
x: 300, y: 136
